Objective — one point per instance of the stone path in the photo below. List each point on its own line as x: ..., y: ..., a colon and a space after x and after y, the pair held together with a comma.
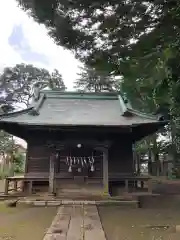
x: 76, y: 223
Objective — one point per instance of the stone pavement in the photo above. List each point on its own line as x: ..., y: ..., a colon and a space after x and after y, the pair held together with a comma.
x: 76, y: 222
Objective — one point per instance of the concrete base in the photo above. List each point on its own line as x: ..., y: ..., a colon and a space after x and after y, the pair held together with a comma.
x: 69, y: 202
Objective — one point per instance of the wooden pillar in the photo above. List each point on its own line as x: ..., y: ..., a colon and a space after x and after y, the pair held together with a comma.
x: 6, y: 187
x: 150, y: 186
x: 126, y: 185
x: 142, y: 184
x: 134, y: 158
x: 15, y: 185
x: 52, y: 174
x: 30, y: 187
x: 105, y: 172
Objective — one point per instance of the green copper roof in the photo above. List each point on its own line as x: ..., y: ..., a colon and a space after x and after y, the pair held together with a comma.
x: 73, y: 108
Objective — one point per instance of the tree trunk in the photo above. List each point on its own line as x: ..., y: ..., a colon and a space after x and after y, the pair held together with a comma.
x: 173, y: 139
x: 11, y: 166
x: 155, y: 152
x: 138, y: 164
x: 149, y: 162
x: 148, y: 143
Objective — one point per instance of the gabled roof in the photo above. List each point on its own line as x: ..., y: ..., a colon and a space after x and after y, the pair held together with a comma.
x: 78, y: 109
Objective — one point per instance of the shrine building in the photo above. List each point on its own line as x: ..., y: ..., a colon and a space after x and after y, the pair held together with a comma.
x: 79, y: 142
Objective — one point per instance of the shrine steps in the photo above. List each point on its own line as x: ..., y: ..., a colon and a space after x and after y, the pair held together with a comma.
x: 70, y: 202
x: 80, y: 191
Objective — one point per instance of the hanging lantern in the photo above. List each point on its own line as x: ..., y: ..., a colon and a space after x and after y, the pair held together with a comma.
x: 79, y: 145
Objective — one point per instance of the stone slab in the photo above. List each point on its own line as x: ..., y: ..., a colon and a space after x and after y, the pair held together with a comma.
x: 76, y: 222
x: 60, y: 225
x: 65, y: 210
x: 117, y: 203
x: 92, y: 224
x: 78, y: 202
x: 75, y: 231
x: 54, y: 237
x: 39, y: 203
x: 28, y: 202
x: 89, y: 202
x: 67, y: 202
x: 53, y: 203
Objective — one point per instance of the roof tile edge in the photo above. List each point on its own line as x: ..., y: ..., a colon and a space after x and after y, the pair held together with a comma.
x: 147, y: 116
x: 80, y: 95
x: 10, y: 114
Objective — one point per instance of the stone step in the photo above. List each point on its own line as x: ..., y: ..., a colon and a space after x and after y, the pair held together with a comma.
x: 70, y: 202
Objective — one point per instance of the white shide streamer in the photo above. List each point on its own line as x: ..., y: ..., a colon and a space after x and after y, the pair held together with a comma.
x: 84, y: 161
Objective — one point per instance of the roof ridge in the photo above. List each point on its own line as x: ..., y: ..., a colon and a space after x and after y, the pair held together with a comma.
x: 26, y: 110
x: 79, y: 93
x: 123, y: 104
x: 37, y: 105
x: 145, y: 115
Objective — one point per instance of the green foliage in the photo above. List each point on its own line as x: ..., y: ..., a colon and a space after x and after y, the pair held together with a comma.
x: 107, y: 33
x: 6, y: 142
x: 16, y: 83
x: 4, y: 173
x: 93, y: 81
x: 55, y: 81
x: 18, y: 162
x: 99, y: 31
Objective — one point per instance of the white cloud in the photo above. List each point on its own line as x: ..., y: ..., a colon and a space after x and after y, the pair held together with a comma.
x: 38, y: 41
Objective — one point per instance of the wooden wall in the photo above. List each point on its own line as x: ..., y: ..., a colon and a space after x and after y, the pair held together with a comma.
x: 37, y: 158
x: 121, y: 158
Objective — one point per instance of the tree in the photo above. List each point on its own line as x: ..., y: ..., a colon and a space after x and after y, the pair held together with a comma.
x: 55, y: 81
x: 101, y: 32
x: 18, y: 161
x: 147, y: 90
x: 6, y: 149
x: 93, y: 81
x: 161, y: 72
x: 6, y: 142
x: 16, y: 83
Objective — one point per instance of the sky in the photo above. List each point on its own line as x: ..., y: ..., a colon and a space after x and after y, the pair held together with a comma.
x: 25, y: 41
x: 22, y: 40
